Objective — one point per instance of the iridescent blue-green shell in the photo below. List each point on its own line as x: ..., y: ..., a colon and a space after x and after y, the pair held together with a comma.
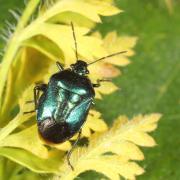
x: 64, y: 106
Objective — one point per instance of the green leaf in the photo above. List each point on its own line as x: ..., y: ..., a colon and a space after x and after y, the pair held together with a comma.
x: 75, y: 17
x: 13, y: 44
x: 14, y: 171
x: 112, y: 152
x: 24, y: 77
x: 45, y: 46
x: 13, y: 124
x: 31, y: 161
x: 27, y: 139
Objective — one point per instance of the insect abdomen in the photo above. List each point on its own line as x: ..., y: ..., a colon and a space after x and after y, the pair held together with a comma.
x: 54, y: 132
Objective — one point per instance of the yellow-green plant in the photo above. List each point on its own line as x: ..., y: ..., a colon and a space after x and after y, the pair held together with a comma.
x: 169, y: 4
x: 43, y: 36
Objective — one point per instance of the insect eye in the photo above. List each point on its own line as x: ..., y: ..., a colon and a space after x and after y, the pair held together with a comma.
x: 75, y: 98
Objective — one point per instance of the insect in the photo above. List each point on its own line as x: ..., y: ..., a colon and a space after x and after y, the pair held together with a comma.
x: 65, y: 101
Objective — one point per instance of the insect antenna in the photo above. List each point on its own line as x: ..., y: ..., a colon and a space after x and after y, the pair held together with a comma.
x: 102, y: 58
x: 74, y: 36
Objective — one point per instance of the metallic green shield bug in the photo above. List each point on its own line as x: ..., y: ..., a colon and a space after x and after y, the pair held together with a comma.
x: 64, y: 104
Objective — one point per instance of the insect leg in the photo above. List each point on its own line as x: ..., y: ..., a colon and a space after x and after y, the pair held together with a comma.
x: 71, y: 150
x: 37, y: 89
x: 59, y: 66
x: 28, y: 112
x: 28, y: 102
x: 98, y: 84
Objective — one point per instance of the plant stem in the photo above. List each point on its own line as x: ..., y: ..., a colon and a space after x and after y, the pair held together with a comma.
x: 13, y: 44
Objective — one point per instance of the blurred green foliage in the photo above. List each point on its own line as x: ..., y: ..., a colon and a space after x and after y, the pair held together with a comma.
x: 151, y: 83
